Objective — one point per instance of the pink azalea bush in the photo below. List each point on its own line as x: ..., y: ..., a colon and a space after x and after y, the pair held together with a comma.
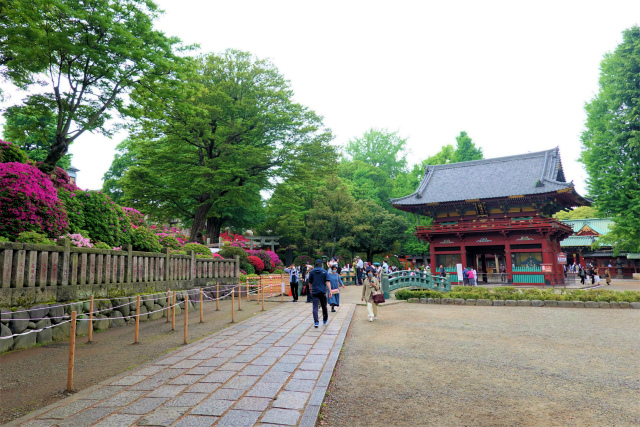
x: 28, y: 202
x: 78, y: 240
x: 134, y: 216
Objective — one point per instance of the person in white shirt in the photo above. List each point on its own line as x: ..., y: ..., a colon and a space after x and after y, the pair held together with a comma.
x: 359, y: 270
x: 385, y: 266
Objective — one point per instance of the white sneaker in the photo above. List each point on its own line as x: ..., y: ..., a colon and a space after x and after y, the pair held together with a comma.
x: 370, y: 319
x: 375, y: 318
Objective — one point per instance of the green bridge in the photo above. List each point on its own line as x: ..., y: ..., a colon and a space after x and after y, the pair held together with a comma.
x: 406, y: 279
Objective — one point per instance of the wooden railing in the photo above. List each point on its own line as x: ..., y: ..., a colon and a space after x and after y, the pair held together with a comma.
x: 62, y: 272
x: 495, y: 223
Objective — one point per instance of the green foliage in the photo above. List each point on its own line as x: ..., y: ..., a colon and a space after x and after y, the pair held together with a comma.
x: 33, y: 237
x: 581, y: 212
x: 101, y: 245
x: 611, y: 142
x: 33, y: 132
x: 169, y: 241
x: 302, y: 260
x: 90, y: 54
x: 212, y: 140
x: 380, y: 149
x: 143, y: 239
x: 103, y: 219
x: 466, y: 150
x: 510, y: 293
x: 250, y: 270
x: 75, y: 209
x: 232, y: 252
x: 123, y: 160
x: 4, y: 239
x: 11, y: 153
x: 198, y: 249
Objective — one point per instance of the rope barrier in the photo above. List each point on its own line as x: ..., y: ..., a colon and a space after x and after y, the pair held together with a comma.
x: 36, y: 330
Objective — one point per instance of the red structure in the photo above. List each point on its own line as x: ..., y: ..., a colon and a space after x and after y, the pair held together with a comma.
x: 495, y: 215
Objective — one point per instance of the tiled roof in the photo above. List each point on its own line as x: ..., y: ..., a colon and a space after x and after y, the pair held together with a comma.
x: 525, y: 174
x: 600, y: 226
x: 577, y: 241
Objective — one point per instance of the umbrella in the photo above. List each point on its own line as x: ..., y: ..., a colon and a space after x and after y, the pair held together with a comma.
x: 376, y: 263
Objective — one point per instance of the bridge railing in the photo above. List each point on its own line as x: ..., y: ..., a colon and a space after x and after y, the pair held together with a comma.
x: 410, y: 278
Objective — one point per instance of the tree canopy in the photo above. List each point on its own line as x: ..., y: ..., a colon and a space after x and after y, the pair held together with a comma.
x: 380, y: 149
x: 611, y: 142
x: 88, y: 54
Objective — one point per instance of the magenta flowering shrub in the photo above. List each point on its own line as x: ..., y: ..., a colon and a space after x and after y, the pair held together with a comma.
x: 60, y: 179
x: 163, y: 231
x: 78, y: 240
x: 28, y: 202
x: 276, y: 262
x: 134, y: 216
x: 270, y: 259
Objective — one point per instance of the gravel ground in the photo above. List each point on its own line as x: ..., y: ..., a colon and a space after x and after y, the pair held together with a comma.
x: 432, y: 365
x: 36, y: 377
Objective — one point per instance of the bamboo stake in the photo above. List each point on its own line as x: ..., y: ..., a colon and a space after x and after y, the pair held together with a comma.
x: 173, y: 313
x: 168, y: 305
x: 201, y: 306
x: 90, y: 320
x: 240, y: 297
x: 263, y: 289
x: 282, y: 289
x: 72, y: 351
x: 136, y: 341
x: 247, y: 286
x: 186, y: 317
x: 233, y: 304
x: 217, y: 296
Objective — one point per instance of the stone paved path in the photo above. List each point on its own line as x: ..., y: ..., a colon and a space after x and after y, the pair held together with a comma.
x: 272, y: 369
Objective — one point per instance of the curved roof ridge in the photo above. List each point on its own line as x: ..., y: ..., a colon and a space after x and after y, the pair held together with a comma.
x: 491, y: 160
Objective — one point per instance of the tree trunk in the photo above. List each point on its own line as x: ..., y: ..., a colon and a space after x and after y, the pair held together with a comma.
x: 199, y: 220
x: 214, y: 225
x: 58, y: 149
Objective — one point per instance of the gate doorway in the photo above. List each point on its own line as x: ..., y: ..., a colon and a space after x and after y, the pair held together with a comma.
x: 487, y: 261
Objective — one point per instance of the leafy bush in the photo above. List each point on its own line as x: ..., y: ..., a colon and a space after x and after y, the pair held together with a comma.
x: 256, y: 263
x: 134, y: 216
x: 231, y: 252
x: 303, y: 259
x: 168, y: 241
x: 265, y: 257
x: 144, y: 240
x: 74, y: 208
x: 104, y: 219
x: 28, y: 202
x: 78, y: 240
x: 4, y: 239
x: 101, y: 245
x: 60, y: 179
x: 10, y: 153
x: 505, y: 293
x: 278, y: 271
x: 250, y: 270
x: 198, y: 249
x: 33, y: 237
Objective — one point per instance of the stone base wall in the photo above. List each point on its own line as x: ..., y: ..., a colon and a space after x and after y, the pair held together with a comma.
x: 51, y: 322
x: 526, y: 303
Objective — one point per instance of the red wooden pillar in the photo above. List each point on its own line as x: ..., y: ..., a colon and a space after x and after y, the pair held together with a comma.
x: 507, y: 261
x: 463, y: 256
x: 434, y: 267
x: 546, y: 258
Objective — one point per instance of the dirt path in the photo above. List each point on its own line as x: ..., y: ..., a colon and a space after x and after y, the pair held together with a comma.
x: 431, y: 365
x: 36, y: 377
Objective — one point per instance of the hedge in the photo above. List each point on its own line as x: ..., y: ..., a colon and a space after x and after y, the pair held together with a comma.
x: 508, y: 293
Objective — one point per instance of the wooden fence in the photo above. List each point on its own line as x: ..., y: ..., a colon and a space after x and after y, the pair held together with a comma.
x: 32, y: 274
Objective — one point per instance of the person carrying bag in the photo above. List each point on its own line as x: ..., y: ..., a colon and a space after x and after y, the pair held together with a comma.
x: 370, y: 291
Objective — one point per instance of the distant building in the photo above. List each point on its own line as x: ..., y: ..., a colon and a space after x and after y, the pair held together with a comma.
x: 578, y: 248
x: 73, y: 174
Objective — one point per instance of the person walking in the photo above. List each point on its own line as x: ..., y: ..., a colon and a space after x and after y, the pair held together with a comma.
x: 359, y: 269
x: 582, y: 275
x: 335, y: 281
x: 607, y: 276
x: 471, y: 277
x: 370, y: 285
x: 306, y: 283
x: 318, y: 282
x: 293, y: 281
x: 465, y: 276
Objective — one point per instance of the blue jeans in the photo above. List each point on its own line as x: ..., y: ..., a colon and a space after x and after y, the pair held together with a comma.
x: 320, y: 299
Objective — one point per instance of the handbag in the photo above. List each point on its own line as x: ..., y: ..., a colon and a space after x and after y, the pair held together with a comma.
x: 378, y: 298
x: 334, y: 291
x: 304, y: 290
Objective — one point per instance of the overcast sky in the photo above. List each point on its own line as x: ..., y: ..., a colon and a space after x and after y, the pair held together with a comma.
x: 514, y: 75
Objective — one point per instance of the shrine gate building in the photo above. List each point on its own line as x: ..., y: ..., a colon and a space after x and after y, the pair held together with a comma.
x: 495, y: 213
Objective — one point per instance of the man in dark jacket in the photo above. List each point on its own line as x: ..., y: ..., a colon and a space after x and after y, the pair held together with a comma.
x: 318, y: 282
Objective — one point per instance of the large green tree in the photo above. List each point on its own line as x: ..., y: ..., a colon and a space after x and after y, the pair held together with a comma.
x: 125, y: 157
x: 88, y: 54
x: 206, y: 142
x: 581, y: 212
x: 34, y: 134
x: 381, y: 149
x: 612, y: 143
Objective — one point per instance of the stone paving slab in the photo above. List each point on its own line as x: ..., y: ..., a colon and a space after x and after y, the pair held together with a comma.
x: 271, y: 369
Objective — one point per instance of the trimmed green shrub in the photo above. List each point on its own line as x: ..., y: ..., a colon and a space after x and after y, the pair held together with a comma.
x: 232, y: 251
x: 145, y: 240
x: 168, y: 241
x: 198, y: 249
x: 11, y: 153
x: 4, y: 239
x: 33, y: 237
x: 101, y: 245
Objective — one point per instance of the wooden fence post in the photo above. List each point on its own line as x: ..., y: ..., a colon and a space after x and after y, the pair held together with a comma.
x: 137, y: 320
x: 168, y: 305
x: 186, y: 317
x: 217, y: 296
x: 173, y: 313
x: 240, y: 296
x: 282, y: 288
x: 201, y: 306
x: 263, y: 289
x: 233, y: 303
x: 91, y: 320
x: 72, y: 351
